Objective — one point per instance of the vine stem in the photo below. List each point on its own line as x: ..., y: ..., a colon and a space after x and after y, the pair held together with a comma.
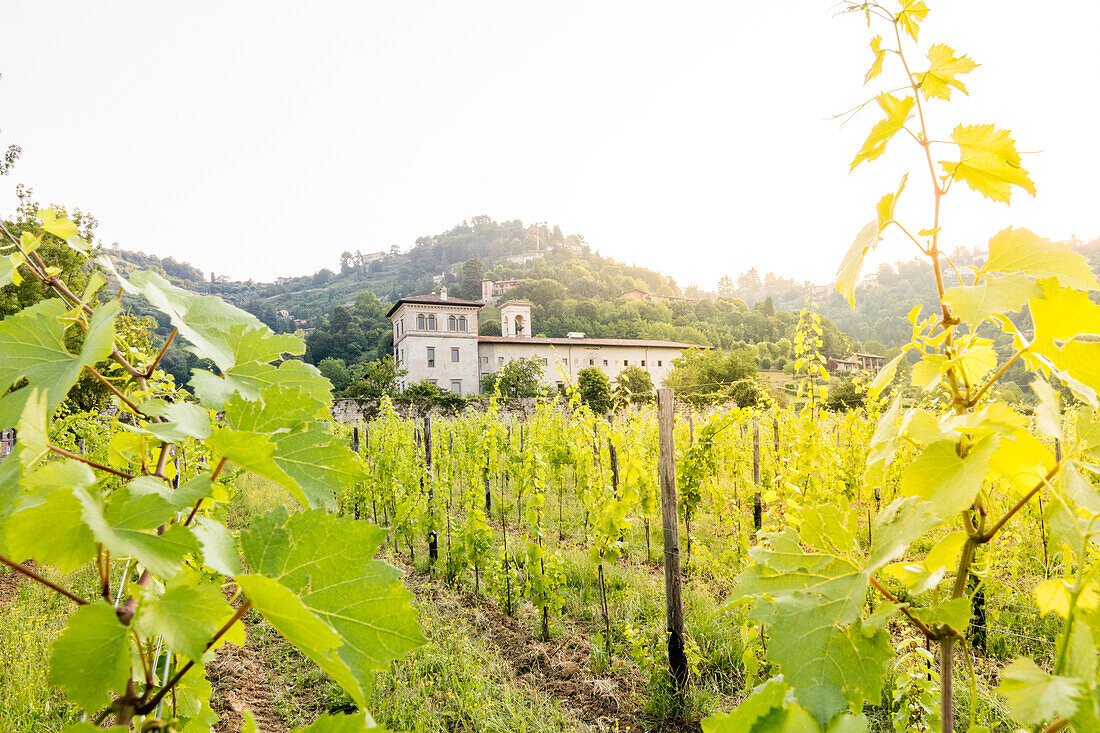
x: 151, y: 705
x: 921, y: 626
x: 24, y: 570
x: 90, y: 462
x: 115, y: 390
x: 987, y: 536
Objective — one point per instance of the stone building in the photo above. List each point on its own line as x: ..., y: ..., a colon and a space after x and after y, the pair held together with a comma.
x: 435, y: 337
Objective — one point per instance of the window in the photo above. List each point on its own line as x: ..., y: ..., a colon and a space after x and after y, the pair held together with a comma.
x: 643, y: 362
x: 452, y: 323
x: 565, y: 361
x: 485, y: 360
x: 626, y: 362
x: 433, y: 381
x: 591, y: 362
x: 431, y: 357
x: 456, y: 385
x: 454, y: 354
x: 543, y: 360
x: 420, y: 321
x: 500, y: 361
x: 431, y: 322
x: 659, y: 362
x: 462, y: 324
x: 605, y: 362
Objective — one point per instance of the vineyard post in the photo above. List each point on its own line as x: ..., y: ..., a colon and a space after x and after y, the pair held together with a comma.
x: 614, y: 459
x: 674, y: 610
x: 433, y: 542
x: 757, y: 508
x: 355, y: 449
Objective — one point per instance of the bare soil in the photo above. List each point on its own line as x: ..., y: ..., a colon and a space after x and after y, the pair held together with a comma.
x: 241, y: 682
x: 560, y: 668
x: 9, y: 582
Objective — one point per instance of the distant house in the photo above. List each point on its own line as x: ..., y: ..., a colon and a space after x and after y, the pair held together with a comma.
x: 523, y: 259
x: 282, y: 313
x: 373, y: 256
x: 857, y: 362
x: 493, y: 290
x: 638, y: 294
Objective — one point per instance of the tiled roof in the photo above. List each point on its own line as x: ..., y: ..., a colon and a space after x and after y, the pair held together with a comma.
x: 434, y: 299
x: 544, y: 341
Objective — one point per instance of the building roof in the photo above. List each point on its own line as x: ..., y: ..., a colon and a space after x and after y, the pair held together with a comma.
x: 544, y: 341
x: 515, y: 301
x: 870, y: 356
x: 434, y: 299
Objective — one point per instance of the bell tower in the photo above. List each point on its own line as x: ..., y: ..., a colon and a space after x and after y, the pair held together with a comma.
x: 515, y: 319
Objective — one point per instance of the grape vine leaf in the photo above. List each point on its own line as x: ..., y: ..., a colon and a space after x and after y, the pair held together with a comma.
x: 1034, y: 695
x: 988, y: 162
x: 897, y: 112
x: 943, y: 69
x: 1021, y: 250
x: 811, y: 602
x: 324, y: 569
x: 60, y: 227
x: 91, y: 658
x: 944, y: 479
x: 975, y: 303
x: 848, y: 274
x: 50, y: 502
x: 219, y: 551
x: 33, y: 344
x: 327, y: 723
x: 886, y: 205
x: 86, y: 727
x: 124, y: 528
x: 186, y: 615
x: 876, y: 65
x: 183, y: 420
x: 954, y: 613
x: 910, y: 16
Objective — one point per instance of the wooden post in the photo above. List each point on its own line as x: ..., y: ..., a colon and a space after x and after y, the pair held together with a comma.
x: 355, y: 438
x: 775, y: 429
x: 433, y: 539
x: 674, y: 610
x: 757, y: 506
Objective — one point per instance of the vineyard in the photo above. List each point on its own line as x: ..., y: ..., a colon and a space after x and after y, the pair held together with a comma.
x: 223, y: 556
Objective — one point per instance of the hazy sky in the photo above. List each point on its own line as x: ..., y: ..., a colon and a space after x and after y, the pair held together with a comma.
x: 259, y: 139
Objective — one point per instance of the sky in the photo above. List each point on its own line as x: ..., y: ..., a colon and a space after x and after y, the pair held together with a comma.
x: 262, y: 139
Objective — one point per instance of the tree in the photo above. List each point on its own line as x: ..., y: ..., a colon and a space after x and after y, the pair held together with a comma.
x: 595, y: 389
x: 726, y: 288
x: 470, y: 277
x: 375, y: 379
x: 845, y: 395
x: 518, y: 378
x: 335, y: 371
x: 709, y: 376
x: 636, y: 384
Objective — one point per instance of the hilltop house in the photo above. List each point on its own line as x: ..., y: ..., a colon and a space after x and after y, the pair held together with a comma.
x: 435, y: 337
x: 858, y: 362
x: 492, y: 290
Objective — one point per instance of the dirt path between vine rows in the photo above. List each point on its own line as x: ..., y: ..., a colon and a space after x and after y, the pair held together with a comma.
x: 9, y: 583
x: 239, y: 682
x: 560, y: 668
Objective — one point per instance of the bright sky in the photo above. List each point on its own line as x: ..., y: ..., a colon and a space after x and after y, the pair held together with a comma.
x: 259, y: 139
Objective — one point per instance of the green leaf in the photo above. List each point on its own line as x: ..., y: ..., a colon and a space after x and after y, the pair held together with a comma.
x: 988, y: 162
x: 85, y: 727
x: 943, y: 71
x: 321, y: 464
x: 848, y: 275
x: 33, y: 344
x: 187, y: 615
x: 975, y: 303
x: 216, y: 330
x: 884, y: 376
x: 1020, y: 250
x: 886, y: 204
x: 327, y: 563
x: 51, y: 505
x: 897, y: 112
x: 124, y: 529
x: 954, y: 613
x: 763, y: 710
x: 949, y: 483
x: 252, y: 379
x: 219, y: 551
x: 60, y: 227
x: 184, y: 420
x: 1035, y: 696
x: 91, y: 658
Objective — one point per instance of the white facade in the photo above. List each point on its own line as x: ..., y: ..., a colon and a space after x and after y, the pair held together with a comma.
x: 436, y: 338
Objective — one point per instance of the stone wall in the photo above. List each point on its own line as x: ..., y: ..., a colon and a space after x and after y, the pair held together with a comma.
x: 351, y: 410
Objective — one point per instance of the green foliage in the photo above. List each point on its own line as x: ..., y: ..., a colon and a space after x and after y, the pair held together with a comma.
x: 517, y: 378
x: 707, y: 377
x: 313, y: 575
x: 595, y: 389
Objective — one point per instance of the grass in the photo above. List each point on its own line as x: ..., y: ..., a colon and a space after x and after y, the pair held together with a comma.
x: 455, y: 682
x: 29, y: 624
